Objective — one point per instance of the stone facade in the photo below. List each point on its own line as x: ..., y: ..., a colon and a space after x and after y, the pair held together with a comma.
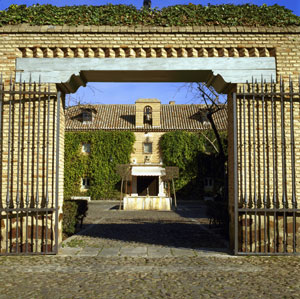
x: 122, y: 41
x: 139, y: 155
x: 149, y: 120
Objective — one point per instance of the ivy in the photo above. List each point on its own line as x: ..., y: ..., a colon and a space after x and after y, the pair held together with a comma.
x: 178, y: 15
x: 107, y: 150
x: 195, y: 157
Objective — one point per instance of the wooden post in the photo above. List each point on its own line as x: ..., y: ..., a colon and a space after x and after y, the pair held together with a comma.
x: 123, y: 170
x: 121, y: 196
x: 175, y: 200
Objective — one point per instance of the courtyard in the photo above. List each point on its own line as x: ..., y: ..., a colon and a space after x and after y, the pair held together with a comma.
x: 124, y: 254
x: 55, y: 51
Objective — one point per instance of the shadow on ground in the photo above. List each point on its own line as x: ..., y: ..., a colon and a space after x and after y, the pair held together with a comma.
x: 186, y: 227
x: 183, y: 235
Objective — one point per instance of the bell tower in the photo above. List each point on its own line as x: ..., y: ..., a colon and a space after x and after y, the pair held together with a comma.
x: 147, y: 113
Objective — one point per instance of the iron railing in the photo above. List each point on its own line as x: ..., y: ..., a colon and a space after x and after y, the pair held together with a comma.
x: 29, y: 157
x: 267, y: 216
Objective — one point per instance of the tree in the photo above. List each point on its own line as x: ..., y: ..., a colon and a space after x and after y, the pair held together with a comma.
x: 213, y: 103
x: 147, y: 4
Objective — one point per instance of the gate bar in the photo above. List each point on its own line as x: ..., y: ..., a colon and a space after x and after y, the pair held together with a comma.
x: 283, y: 157
x: 264, y: 162
x: 57, y: 168
x: 28, y: 157
x: 8, y: 165
x: 240, y: 153
x: 254, y: 162
x: 38, y: 164
x: 293, y: 163
x: 47, y: 168
x: 18, y: 167
x: 245, y: 199
x: 235, y: 174
x: 274, y: 150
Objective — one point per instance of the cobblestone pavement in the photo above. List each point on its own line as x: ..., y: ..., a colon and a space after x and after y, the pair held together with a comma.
x: 88, y: 266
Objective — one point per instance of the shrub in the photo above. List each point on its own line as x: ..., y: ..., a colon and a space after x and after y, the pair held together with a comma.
x: 69, y: 217
x: 73, y: 212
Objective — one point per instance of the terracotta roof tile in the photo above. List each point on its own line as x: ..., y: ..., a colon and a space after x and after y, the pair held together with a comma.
x: 122, y: 117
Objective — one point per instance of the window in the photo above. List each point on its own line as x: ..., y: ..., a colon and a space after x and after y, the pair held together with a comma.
x: 148, y: 115
x: 85, y: 183
x: 147, y: 148
x: 208, y: 182
x: 86, y: 148
x: 87, y: 117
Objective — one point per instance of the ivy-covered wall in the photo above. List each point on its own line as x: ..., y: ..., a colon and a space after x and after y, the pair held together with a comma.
x: 129, y: 15
x: 107, y: 150
x: 196, y: 158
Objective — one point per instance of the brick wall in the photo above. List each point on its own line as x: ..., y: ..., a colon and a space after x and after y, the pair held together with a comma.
x: 106, y: 41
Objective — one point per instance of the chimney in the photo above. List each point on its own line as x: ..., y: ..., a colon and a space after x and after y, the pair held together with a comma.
x: 172, y: 103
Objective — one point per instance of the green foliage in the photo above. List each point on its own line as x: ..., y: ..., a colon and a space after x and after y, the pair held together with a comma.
x: 178, y: 15
x: 69, y: 217
x: 194, y: 155
x: 107, y: 150
x: 73, y: 213
x: 180, y: 149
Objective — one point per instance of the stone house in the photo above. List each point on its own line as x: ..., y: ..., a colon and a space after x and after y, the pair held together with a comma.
x: 149, y: 120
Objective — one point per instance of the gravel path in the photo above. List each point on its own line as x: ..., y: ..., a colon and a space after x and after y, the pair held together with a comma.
x: 148, y: 255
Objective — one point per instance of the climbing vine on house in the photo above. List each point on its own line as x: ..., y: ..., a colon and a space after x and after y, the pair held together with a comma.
x: 129, y: 15
x: 193, y: 154
x: 107, y: 149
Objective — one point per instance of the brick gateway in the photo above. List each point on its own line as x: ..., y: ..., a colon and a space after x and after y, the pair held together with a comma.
x: 104, y: 42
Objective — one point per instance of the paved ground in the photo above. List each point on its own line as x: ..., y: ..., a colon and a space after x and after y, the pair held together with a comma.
x: 148, y: 255
x: 145, y: 233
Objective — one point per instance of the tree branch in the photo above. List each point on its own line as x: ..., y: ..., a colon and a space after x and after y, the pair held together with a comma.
x: 210, y: 112
x: 211, y: 142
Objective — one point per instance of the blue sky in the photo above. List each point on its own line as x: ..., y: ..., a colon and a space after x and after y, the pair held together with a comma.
x: 128, y: 93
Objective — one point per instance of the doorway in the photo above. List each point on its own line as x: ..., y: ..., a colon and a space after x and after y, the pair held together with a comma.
x: 147, y: 185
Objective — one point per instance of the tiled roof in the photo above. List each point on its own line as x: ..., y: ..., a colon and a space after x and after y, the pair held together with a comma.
x: 122, y: 117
